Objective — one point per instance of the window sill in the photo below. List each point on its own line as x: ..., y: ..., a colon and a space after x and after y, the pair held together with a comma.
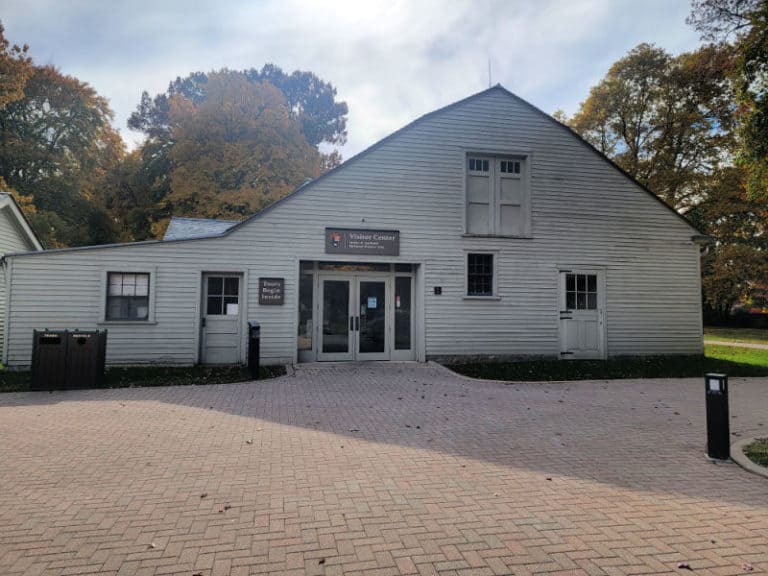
x: 467, y: 235
x: 487, y: 298
x: 126, y: 323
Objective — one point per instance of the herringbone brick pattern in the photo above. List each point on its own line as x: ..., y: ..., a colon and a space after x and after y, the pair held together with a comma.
x: 378, y: 469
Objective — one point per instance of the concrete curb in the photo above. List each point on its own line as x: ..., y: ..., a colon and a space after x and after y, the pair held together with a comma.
x: 737, y: 455
x: 450, y: 372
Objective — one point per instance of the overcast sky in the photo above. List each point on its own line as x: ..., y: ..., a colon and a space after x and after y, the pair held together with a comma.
x: 390, y: 60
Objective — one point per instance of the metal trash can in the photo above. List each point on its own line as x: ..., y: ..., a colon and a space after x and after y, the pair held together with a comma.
x: 64, y: 360
x: 86, y: 353
x: 254, y: 348
x: 49, y: 360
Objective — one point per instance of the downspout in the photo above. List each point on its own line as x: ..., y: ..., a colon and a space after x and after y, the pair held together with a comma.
x: 703, y: 242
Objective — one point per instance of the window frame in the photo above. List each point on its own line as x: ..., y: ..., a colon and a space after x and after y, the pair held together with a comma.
x: 222, y: 296
x: 525, y: 157
x: 494, y: 280
x: 104, y: 296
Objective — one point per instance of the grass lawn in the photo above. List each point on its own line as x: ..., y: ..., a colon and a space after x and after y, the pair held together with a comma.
x: 126, y: 377
x: 752, y: 335
x: 726, y: 359
x: 757, y: 451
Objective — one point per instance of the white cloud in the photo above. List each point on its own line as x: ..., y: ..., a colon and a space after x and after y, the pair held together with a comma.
x: 391, y: 60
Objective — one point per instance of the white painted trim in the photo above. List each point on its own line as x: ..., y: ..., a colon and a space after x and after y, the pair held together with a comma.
x: 495, y: 296
x: 8, y: 265
x: 197, y: 340
x: 242, y: 273
x: 243, y: 309
x: 602, y: 299
x: 525, y: 156
x: 10, y: 203
x: 296, y: 311
x: 420, y: 340
x: 699, y: 291
x: 411, y: 353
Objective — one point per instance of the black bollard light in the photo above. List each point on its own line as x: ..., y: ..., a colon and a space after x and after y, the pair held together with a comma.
x: 254, y: 348
x: 718, y: 425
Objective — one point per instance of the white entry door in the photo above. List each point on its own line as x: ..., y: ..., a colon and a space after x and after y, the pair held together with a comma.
x: 337, y: 321
x: 221, y: 319
x: 582, y: 314
x: 372, y: 325
x: 355, y: 318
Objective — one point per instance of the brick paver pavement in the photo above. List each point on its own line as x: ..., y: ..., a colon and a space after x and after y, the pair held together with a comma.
x: 378, y: 469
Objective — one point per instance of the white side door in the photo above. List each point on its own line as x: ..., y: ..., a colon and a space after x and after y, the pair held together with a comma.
x: 221, y: 319
x: 582, y: 314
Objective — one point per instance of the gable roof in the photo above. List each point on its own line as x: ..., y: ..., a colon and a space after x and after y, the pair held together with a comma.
x: 8, y: 203
x: 183, y: 228
x: 497, y: 88
x: 360, y: 155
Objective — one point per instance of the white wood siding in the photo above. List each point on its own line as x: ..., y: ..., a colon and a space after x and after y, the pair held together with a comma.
x: 584, y: 213
x: 11, y: 240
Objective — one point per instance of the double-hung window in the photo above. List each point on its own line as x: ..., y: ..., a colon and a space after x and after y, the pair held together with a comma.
x: 480, y: 280
x: 127, y: 296
x: 497, y: 195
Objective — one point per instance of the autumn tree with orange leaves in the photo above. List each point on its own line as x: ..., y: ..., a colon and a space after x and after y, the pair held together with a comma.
x: 236, y: 150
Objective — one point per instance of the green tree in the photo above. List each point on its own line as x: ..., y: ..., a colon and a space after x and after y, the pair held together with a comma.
x: 57, y: 145
x: 310, y: 100
x: 735, y: 268
x: 235, y: 149
x: 665, y: 120
x: 669, y: 121
x: 130, y: 198
x: 310, y: 103
x: 744, y: 23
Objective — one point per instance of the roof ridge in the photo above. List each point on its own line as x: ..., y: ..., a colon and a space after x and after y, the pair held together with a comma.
x: 202, y: 219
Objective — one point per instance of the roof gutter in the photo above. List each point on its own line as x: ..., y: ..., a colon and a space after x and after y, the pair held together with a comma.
x: 704, y: 242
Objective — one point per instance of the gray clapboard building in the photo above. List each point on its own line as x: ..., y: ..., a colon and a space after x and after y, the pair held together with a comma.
x: 483, y: 229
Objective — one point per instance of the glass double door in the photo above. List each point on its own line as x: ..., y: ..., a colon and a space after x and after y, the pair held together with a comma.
x: 355, y: 318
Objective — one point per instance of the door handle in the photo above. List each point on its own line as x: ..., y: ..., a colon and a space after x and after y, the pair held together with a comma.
x: 357, y: 323
x: 351, y: 323
x: 203, y: 322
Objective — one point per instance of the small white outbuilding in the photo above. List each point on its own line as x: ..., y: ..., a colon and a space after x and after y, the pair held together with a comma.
x: 483, y: 229
x: 16, y: 235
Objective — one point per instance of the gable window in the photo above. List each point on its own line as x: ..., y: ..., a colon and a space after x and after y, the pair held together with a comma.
x: 127, y: 296
x: 480, y: 275
x: 497, y: 196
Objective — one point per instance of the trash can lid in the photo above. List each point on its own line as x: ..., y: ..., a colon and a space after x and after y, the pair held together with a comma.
x: 253, y: 324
